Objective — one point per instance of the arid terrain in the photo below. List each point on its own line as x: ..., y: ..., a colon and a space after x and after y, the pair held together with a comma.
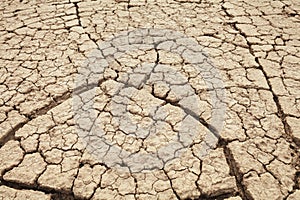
x: 149, y: 99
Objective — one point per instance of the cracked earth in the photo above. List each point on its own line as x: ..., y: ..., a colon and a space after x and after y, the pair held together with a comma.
x: 71, y: 128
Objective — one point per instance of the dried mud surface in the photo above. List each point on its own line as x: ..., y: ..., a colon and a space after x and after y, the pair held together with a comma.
x: 44, y: 151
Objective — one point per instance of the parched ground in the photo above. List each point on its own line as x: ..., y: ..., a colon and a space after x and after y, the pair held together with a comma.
x: 56, y: 144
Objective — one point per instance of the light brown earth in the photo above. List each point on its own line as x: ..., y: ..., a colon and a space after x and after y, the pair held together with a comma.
x: 45, y: 154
